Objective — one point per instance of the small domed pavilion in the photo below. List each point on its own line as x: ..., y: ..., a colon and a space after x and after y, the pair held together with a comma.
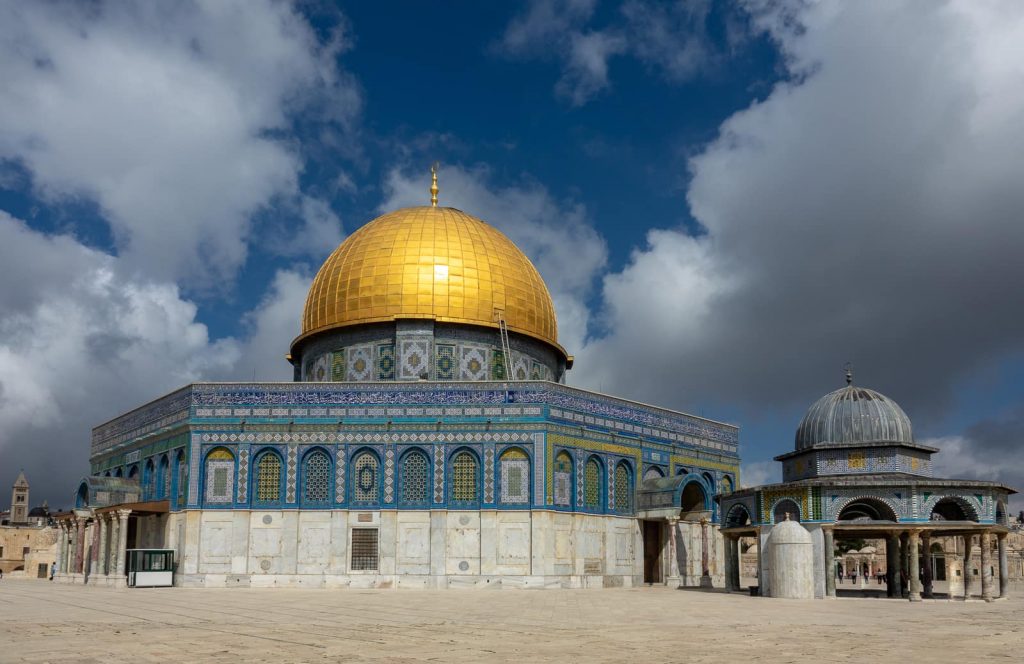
x: 857, y: 473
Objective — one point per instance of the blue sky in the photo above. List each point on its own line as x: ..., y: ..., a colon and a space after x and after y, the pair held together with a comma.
x: 729, y: 201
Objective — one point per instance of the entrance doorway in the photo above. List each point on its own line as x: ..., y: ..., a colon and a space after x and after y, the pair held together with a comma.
x: 652, y: 552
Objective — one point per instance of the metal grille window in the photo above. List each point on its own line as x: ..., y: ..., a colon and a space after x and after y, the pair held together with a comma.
x: 268, y: 478
x: 592, y: 484
x: 364, y: 549
x: 165, y: 478
x: 623, y: 489
x: 316, y: 473
x: 515, y: 477
x: 563, y: 479
x: 464, y: 478
x: 366, y: 486
x: 414, y: 478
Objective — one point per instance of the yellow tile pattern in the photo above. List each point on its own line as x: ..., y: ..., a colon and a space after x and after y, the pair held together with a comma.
x: 430, y: 262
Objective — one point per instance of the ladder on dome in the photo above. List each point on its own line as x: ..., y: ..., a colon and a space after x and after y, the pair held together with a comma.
x: 505, y: 349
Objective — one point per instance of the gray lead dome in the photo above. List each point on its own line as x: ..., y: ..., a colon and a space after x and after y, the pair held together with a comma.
x: 853, y: 415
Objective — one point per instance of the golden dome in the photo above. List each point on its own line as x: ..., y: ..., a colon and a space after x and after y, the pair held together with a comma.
x: 430, y: 263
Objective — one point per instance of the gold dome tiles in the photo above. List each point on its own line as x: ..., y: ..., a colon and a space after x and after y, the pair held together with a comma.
x: 434, y: 263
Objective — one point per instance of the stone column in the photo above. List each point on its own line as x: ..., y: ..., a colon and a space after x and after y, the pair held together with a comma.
x: 122, y: 545
x: 926, y: 553
x: 830, y: 563
x: 79, y: 545
x: 913, y: 551
x: 62, y: 551
x: 986, y: 566
x: 102, y: 567
x: 112, y: 549
x: 1004, y: 569
x: 730, y: 546
x: 94, y: 549
x: 968, y: 577
x: 905, y: 563
x: 673, y: 553
x: 893, y: 573
x: 705, y: 568
x: 69, y: 546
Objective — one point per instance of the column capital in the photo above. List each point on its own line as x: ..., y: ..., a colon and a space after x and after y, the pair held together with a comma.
x: 123, y: 514
x: 1001, y: 535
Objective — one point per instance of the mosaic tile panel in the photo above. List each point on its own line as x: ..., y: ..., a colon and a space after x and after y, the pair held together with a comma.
x: 365, y: 471
x: 438, y: 474
x: 563, y: 479
x: 219, y: 479
x: 414, y: 359
x: 520, y: 366
x: 243, y: 474
x: 515, y: 478
x: 473, y: 363
x: 321, y: 369
x: 444, y: 362
x: 489, y: 473
x: 339, y: 475
x: 290, y: 479
x: 540, y: 457
x: 338, y: 365
x: 359, y: 363
x: 389, y: 475
x: 579, y: 480
x: 386, y: 362
x: 498, y: 371
x: 193, y: 474
x: 268, y: 478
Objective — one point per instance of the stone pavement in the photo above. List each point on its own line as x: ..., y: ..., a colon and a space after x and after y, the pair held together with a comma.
x: 45, y: 622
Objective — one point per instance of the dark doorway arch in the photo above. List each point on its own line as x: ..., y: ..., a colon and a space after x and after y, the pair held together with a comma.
x: 694, y: 498
x: 784, y: 507
x: 866, y: 509
x: 952, y: 509
x: 738, y: 516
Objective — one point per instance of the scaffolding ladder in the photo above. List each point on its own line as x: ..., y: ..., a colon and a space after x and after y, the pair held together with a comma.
x: 505, y: 349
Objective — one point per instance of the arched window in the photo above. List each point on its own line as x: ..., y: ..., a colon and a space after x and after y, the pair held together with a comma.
x: 148, y: 480
x: 515, y: 477
x: 163, y: 480
x: 592, y: 484
x: 681, y: 471
x: 220, y: 475
x: 118, y: 473
x: 726, y: 485
x: 623, y: 488
x: 415, y: 479
x: 693, y: 498
x: 563, y: 479
x: 366, y: 476
x: 710, y: 480
x: 182, y: 483
x: 316, y: 478
x: 268, y: 478
x: 464, y: 479
x: 133, y: 472
x: 653, y: 473
x: 784, y: 507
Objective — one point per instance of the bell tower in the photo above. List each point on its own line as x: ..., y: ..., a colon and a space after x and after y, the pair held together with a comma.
x: 19, y: 500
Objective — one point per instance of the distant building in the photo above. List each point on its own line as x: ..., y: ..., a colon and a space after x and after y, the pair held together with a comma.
x: 28, y: 544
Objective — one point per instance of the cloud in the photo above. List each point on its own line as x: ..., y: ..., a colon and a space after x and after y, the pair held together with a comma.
x: 867, y: 210
x: 557, y: 236
x: 170, y: 117
x: 81, y: 341
x: 672, y: 38
x: 270, y: 329
x: 759, y: 473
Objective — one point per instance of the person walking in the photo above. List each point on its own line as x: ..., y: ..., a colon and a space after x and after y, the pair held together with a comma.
x: 53, y: 570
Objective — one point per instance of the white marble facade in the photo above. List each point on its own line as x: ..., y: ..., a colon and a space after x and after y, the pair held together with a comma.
x: 419, y: 549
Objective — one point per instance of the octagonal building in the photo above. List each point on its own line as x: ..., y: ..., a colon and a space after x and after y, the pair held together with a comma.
x: 428, y: 439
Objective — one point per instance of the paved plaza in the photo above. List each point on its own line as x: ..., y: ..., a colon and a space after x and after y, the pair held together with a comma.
x: 44, y: 622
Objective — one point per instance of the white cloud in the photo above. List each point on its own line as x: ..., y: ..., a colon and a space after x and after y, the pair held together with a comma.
x: 557, y: 236
x: 758, y: 473
x: 166, y: 116
x: 271, y: 327
x: 867, y: 210
x: 586, y: 68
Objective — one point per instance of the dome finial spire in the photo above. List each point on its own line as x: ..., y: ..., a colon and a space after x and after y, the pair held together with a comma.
x: 849, y: 373
x: 433, y: 185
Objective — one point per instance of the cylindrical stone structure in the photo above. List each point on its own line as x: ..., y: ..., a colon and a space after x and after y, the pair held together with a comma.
x: 79, y: 545
x: 122, y: 543
x: 905, y: 564
x: 101, y: 567
x: 830, y: 563
x: 986, y: 567
x: 791, y: 561
x: 913, y: 547
x: 1004, y: 568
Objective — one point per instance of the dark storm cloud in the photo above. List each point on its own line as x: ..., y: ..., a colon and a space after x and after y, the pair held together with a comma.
x: 868, y: 210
